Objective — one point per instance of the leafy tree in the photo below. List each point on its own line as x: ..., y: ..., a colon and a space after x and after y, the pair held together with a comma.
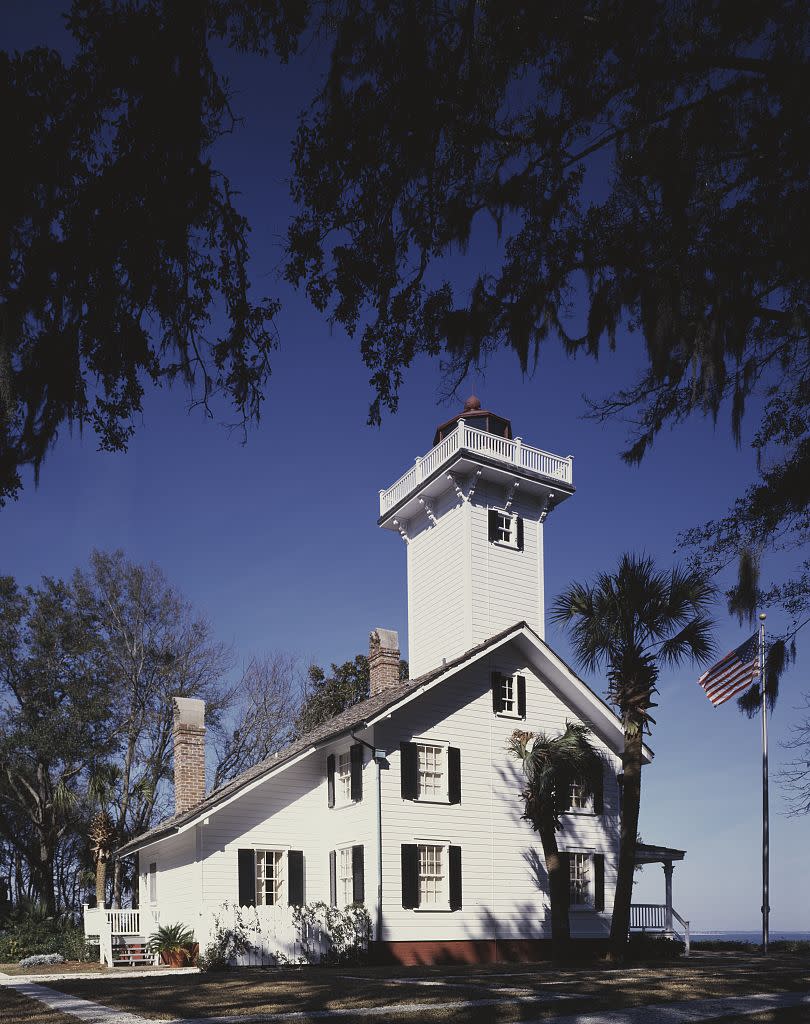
x: 152, y: 647
x: 649, y: 162
x: 630, y: 623
x: 122, y: 237
x: 550, y: 764
x: 794, y: 776
x: 54, y: 720
x: 326, y: 696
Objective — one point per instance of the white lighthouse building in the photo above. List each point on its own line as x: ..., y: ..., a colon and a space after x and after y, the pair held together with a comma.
x: 472, y: 513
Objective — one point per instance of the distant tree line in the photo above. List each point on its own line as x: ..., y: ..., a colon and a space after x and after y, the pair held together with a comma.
x: 88, y: 667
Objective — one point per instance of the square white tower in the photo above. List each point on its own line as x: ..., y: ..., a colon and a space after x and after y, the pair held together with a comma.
x: 472, y: 514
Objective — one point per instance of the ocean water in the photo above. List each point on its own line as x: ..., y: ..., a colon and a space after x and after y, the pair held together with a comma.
x: 755, y: 937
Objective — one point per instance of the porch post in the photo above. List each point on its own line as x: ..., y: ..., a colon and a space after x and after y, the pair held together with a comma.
x: 667, y: 865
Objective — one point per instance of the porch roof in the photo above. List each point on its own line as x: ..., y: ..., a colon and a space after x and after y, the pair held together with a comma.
x: 648, y: 854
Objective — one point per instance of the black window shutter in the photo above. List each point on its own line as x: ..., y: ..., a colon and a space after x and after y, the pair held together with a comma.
x: 599, y: 795
x: 520, y: 533
x: 356, y: 756
x: 295, y: 878
x: 521, y: 696
x: 247, y: 878
x: 330, y: 780
x: 455, y: 877
x: 565, y: 867
x: 454, y: 775
x: 599, y: 881
x: 493, y: 524
x: 497, y: 692
x: 333, y: 877
x: 410, y: 876
x: 358, y: 875
x: 409, y: 771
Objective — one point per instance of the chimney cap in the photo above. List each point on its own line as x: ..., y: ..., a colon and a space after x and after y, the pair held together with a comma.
x: 189, y: 711
x: 388, y: 639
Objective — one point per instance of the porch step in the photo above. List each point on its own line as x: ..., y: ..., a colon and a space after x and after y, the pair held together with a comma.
x: 128, y: 954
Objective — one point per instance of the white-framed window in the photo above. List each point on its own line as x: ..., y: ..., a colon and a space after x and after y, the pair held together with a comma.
x: 269, y: 877
x: 345, y: 877
x: 432, y: 771
x: 343, y: 778
x: 579, y: 801
x: 506, y: 528
x: 433, y: 867
x: 581, y: 888
x: 151, y: 883
x: 509, y: 700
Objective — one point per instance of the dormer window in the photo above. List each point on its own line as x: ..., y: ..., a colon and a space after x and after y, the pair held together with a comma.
x: 505, y: 529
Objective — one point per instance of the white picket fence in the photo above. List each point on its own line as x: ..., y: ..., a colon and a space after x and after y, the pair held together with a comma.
x: 270, y: 930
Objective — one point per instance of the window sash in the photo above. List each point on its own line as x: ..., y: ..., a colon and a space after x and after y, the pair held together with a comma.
x: 508, y: 694
x: 343, y: 777
x: 581, y: 890
x: 432, y: 777
x: 579, y: 802
x: 432, y: 875
x: 504, y: 528
x: 269, y: 877
x: 345, y: 881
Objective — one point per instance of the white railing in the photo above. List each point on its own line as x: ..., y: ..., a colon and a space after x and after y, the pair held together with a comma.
x: 104, y: 924
x: 657, y: 917
x: 514, y: 453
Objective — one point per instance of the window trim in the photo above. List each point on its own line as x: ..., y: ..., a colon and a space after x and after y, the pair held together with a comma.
x: 443, y: 907
x: 513, y: 678
x: 282, y: 890
x: 423, y: 741
x: 586, y: 811
x: 151, y: 883
x: 513, y: 517
x: 590, y: 907
x: 345, y: 848
x: 341, y: 800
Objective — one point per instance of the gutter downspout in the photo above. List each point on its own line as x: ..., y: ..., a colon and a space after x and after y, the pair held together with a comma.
x: 377, y: 758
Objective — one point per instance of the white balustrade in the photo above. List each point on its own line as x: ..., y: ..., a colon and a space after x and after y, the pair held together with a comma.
x: 653, y: 917
x: 479, y: 442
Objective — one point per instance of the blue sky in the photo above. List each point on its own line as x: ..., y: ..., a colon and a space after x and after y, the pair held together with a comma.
x: 276, y: 541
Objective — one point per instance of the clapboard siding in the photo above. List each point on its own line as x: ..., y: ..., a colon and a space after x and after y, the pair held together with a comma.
x: 178, y: 879
x: 437, y: 564
x: 504, y: 888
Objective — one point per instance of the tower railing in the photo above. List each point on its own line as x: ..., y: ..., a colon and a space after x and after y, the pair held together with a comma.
x: 478, y: 442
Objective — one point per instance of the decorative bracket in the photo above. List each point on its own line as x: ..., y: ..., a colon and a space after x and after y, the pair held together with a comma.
x: 547, y: 507
x: 403, y: 529
x: 510, y: 494
x: 473, y: 481
x: 426, y: 506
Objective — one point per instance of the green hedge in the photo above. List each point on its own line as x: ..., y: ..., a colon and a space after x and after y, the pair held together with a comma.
x: 28, y: 937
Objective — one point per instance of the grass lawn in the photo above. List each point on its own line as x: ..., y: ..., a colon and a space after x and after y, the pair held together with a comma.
x: 71, y: 967
x: 510, y: 993
x: 22, y: 1010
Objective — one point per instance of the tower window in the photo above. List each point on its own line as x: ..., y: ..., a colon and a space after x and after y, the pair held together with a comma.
x: 505, y: 529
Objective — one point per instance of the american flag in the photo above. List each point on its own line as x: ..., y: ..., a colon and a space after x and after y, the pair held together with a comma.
x: 733, y: 673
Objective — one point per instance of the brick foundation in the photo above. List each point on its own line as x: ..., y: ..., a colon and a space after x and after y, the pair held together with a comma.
x: 477, y: 951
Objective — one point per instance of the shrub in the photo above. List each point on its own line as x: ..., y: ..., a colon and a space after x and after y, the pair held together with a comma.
x: 42, y: 960
x: 32, y: 935
x: 348, y: 930
x: 228, y: 943
x: 171, y: 938
x: 654, y: 947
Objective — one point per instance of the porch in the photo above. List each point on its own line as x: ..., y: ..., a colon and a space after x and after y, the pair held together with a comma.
x: 659, y: 918
x: 122, y: 935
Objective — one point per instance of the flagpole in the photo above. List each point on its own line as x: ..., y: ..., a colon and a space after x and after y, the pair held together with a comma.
x: 765, y: 837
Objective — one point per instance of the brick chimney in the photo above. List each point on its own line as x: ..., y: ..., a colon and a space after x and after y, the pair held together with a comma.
x: 383, y: 659
x: 189, y: 753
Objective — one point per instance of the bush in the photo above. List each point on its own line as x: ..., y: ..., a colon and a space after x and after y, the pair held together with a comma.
x: 654, y: 947
x: 348, y: 929
x: 42, y: 960
x: 227, y: 944
x: 33, y: 935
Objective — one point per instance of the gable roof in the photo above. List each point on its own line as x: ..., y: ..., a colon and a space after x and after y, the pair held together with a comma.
x: 365, y: 713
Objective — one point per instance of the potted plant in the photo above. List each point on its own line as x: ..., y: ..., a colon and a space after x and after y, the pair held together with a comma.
x: 174, y: 942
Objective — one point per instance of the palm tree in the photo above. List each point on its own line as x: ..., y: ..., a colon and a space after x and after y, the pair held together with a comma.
x: 631, y: 623
x: 101, y: 834
x: 551, y: 764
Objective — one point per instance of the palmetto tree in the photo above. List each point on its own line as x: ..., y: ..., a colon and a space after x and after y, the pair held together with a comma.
x: 551, y: 764
x: 630, y: 623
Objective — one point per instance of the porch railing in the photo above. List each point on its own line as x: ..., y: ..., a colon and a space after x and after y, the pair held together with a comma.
x: 657, y: 917
x: 105, y: 925
x: 513, y: 453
